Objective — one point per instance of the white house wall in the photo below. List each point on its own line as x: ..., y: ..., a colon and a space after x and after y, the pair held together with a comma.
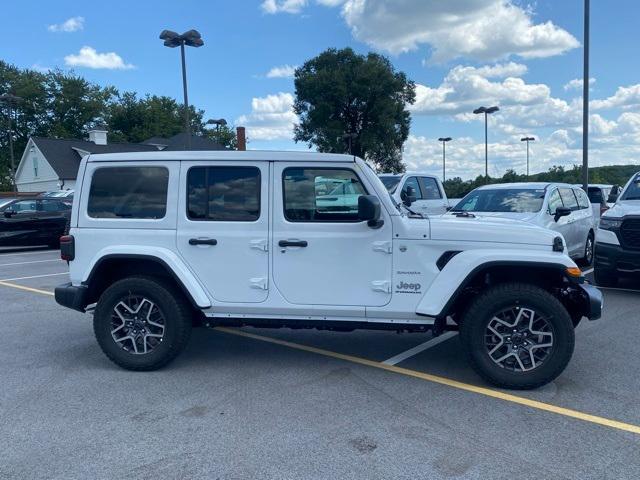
x: 27, y: 181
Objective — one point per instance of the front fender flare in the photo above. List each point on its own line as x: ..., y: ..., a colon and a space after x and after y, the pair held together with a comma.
x: 459, y: 271
x: 169, y: 259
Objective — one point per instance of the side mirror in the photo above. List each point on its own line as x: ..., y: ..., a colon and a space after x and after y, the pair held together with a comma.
x: 369, y: 210
x: 561, y: 212
x: 408, y: 195
x: 9, y: 212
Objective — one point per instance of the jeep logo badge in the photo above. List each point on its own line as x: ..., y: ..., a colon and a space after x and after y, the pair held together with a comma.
x: 404, y: 287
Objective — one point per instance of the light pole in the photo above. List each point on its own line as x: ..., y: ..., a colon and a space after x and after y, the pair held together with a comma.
x: 444, y: 141
x: 528, y: 139
x: 11, y: 101
x: 585, y: 102
x: 192, y: 38
x: 486, y: 111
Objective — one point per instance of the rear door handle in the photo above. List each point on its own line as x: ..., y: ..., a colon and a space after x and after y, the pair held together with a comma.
x: 203, y: 241
x: 292, y: 243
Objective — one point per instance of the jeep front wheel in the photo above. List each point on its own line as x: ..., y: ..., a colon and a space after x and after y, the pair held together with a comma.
x: 517, y: 336
x: 142, y: 323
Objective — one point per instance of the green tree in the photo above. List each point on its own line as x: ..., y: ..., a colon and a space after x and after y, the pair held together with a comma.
x: 224, y: 135
x: 340, y: 92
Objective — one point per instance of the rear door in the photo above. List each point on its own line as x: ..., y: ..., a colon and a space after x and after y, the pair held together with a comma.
x: 53, y: 216
x: 585, y: 221
x: 223, y: 227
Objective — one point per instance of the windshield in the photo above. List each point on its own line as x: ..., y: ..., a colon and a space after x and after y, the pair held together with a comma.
x: 514, y: 200
x: 391, y: 182
x: 632, y: 191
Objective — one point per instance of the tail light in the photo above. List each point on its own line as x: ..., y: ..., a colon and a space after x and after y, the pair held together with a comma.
x: 67, y: 248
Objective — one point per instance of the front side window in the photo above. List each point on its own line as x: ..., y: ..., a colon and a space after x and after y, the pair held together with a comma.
x: 413, y: 183
x: 554, y: 201
x: 223, y: 194
x: 430, y: 189
x: 568, y: 198
x: 129, y: 192
x: 24, y: 206
x: 506, y: 200
x: 305, y: 199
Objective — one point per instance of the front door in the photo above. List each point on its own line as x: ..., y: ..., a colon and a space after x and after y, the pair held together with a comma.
x: 223, y: 228
x: 20, y: 224
x: 322, y: 253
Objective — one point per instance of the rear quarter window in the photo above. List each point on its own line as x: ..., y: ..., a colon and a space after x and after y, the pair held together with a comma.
x: 128, y: 192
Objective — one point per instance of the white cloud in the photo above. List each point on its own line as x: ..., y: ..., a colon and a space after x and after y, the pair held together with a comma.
x: 466, y: 88
x: 577, y: 83
x: 478, y: 29
x: 625, y: 97
x: 271, y: 117
x: 90, y: 58
x: 283, y: 71
x: 287, y: 6
x: 72, y: 24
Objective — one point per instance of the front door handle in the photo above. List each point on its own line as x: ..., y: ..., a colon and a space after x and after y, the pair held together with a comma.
x: 203, y: 241
x: 292, y: 243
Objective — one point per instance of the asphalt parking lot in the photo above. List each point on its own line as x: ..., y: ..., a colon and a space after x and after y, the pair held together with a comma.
x: 283, y: 404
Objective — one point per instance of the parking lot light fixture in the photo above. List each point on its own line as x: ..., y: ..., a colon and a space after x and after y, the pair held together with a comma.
x: 487, y: 111
x: 191, y: 38
x: 11, y: 101
x: 444, y: 141
x: 220, y: 122
x: 527, y: 139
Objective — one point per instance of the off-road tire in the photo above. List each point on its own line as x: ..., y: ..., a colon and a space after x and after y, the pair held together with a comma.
x: 170, y: 301
x: 503, y: 296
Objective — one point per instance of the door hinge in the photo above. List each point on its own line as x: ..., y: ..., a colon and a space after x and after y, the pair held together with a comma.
x: 384, y: 247
x: 383, y: 286
x: 259, y: 283
x: 261, y: 244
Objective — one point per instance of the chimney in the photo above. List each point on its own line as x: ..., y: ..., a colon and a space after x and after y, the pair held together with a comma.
x: 242, y: 139
x: 98, y: 135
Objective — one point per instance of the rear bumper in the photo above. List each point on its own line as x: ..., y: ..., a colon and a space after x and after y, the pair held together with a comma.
x: 594, y: 303
x: 616, y: 259
x: 71, y: 296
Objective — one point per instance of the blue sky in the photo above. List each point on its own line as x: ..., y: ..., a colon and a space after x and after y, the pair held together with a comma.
x: 461, y: 53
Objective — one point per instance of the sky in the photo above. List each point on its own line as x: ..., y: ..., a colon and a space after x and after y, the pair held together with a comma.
x: 525, y: 57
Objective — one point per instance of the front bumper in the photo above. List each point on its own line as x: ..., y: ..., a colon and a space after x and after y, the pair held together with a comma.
x: 71, y: 296
x: 593, y: 304
x: 614, y: 258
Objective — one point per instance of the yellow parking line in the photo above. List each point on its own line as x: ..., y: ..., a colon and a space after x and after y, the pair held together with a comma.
x: 487, y: 392
x: 567, y: 412
x: 28, y: 289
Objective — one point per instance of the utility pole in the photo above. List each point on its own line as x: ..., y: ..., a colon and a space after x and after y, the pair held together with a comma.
x: 11, y: 101
x: 585, y: 102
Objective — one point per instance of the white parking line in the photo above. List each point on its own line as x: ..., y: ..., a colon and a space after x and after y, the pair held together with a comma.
x: 619, y: 289
x: 33, y: 276
x: 25, y: 263
x: 419, y: 348
x: 588, y: 271
x: 39, y: 252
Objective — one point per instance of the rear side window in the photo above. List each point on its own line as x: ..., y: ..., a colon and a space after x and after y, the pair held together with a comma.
x: 307, y: 200
x: 129, y: 192
x: 568, y: 198
x: 223, y: 194
x: 595, y: 195
x: 430, y: 190
x: 583, y: 200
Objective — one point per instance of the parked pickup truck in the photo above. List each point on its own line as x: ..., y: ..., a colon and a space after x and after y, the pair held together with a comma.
x: 158, y: 239
x: 426, y: 191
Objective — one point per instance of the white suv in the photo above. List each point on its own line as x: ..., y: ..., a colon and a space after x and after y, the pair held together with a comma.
x: 560, y: 207
x: 422, y: 192
x: 246, y: 238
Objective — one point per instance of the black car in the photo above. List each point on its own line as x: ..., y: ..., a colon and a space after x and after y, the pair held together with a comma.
x: 33, y: 221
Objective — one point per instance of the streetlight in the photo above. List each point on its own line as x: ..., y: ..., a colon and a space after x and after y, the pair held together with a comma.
x: 11, y: 101
x: 444, y: 141
x: 528, y: 139
x: 192, y: 38
x: 220, y: 122
x: 486, y: 111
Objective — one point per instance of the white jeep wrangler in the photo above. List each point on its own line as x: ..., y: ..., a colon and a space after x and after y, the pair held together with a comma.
x: 161, y: 240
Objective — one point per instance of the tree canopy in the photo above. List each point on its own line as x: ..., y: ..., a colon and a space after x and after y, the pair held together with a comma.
x: 340, y: 92
x: 62, y: 104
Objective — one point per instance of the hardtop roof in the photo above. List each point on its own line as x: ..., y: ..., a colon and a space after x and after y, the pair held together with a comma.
x: 222, y: 155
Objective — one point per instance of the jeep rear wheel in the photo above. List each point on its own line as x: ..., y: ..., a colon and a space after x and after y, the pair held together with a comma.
x: 518, y: 336
x: 142, y: 323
